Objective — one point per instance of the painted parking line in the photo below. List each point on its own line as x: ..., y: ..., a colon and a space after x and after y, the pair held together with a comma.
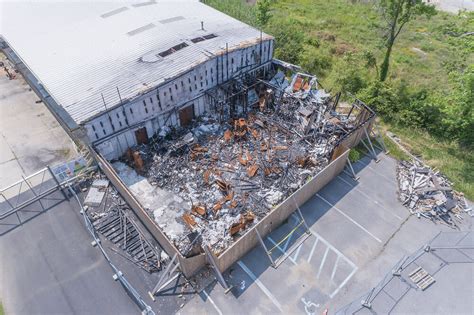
x: 349, y: 218
x: 286, y: 244
x: 260, y: 285
x: 335, y: 268
x: 322, y: 262
x: 329, y: 247
x: 339, y: 256
x: 212, y: 302
x: 343, y: 283
x: 282, y: 250
x: 312, y: 250
x: 368, y: 197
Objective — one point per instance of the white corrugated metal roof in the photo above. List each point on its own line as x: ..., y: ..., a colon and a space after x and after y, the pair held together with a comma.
x: 79, y: 50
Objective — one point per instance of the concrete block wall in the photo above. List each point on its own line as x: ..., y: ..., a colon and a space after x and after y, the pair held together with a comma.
x: 113, y: 132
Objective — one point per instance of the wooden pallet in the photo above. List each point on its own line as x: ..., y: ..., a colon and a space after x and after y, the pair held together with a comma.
x: 421, y: 278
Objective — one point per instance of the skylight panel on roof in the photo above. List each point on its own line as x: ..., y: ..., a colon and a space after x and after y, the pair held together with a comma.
x: 142, y: 4
x: 173, y: 50
x: 172, y: 19
x: 141, y: 29
x: 114, y: 12
x: 203, y: 38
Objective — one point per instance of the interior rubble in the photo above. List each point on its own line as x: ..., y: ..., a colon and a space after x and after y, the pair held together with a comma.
x: 262, y: 139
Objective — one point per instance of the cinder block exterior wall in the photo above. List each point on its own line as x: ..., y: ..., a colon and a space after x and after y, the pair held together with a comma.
x: 113, y: 132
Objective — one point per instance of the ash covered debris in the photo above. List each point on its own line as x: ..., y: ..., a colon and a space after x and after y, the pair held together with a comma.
x: 114, y: 220
x: 429, y: 194
x: 259, y: 142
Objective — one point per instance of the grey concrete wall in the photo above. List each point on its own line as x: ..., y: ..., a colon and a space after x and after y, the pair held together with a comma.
x: 110, y: 131
x: 279, y: 214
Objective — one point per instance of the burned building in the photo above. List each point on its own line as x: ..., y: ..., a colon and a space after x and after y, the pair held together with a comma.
x: 210, y: 140
x: 263, y: 140
x: 119, y: 72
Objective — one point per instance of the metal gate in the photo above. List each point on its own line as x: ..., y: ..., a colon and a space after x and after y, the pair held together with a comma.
x: 25, y: 199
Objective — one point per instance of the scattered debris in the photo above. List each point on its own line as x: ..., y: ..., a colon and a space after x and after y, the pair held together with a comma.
x: 96, y: 193
x: 428, y: 194
x: 113, y: 219
x: 231, y: 166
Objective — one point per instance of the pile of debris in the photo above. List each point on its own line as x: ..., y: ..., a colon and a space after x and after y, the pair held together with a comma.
x: 113, y: 219
x: 429, y: 194
x: 232, y: 166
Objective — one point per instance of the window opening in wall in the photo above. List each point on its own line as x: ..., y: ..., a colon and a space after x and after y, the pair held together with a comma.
x: 144, y: 103
x: 232, y: 60
x: 146, y: 110
x: 195, y: 78
x: 101, y: 124
x: 171, y: 91
x: 118, y: 116
x: 151, y: 100
x: 141, y: 136
x: 103, y: 130
x: 113, y: 127
x: 211, y: 70
x: 171, y: 97
x: 131, y: 111
x: 176, y: 87
x: 195, y: 86
x: 164, y: 93
x: 201, y: 84
x: 96, y: 136
x: 182, y: 83
x: 190, y: 89
x: 207, y: 82
x: 189, y: 80
x: 93, y: 128
x: 120, y: 124
x: 212, y: 80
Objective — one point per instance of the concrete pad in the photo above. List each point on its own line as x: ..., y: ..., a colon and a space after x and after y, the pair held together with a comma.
x: 28, y: 132
x: 10, y: 172
x: 5, y: 152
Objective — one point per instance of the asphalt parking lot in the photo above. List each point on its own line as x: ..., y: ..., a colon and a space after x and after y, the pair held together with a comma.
x: 358, y: 230
x: 48, y: 266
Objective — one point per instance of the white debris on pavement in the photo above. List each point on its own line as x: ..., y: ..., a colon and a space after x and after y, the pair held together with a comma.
x: 428, y: 194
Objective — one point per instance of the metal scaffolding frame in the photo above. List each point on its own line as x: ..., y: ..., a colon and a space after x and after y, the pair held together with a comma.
x: 293, y: 247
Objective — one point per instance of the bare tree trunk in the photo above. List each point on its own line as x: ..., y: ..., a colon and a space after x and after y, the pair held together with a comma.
x: 386, y: 61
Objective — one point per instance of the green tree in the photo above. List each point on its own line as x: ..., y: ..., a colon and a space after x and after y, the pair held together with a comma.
x: 289, y: 40
x: 397, y: 13
x: 263, y: 12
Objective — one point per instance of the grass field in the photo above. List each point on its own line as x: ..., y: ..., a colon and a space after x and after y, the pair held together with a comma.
x: 332, y: 40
